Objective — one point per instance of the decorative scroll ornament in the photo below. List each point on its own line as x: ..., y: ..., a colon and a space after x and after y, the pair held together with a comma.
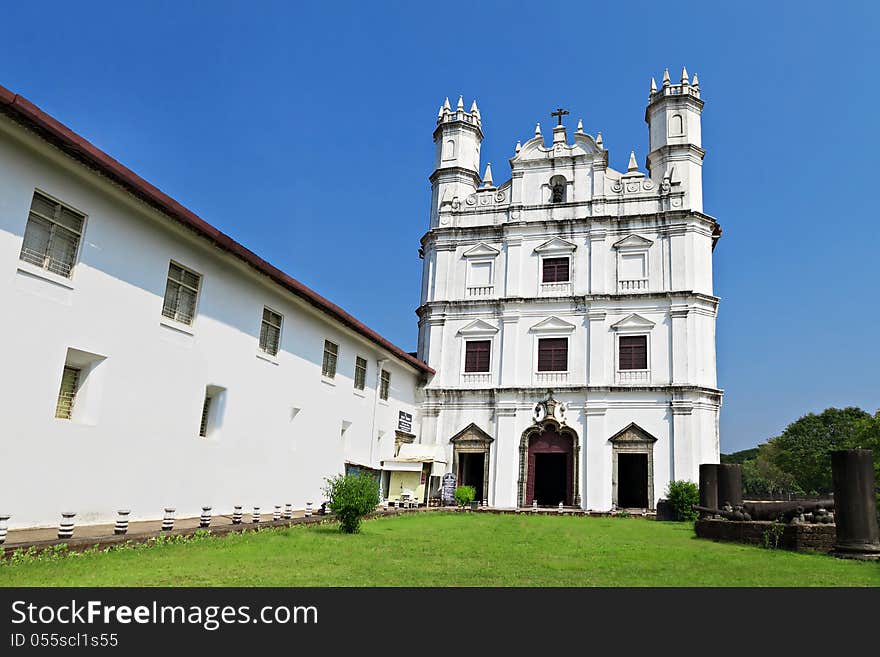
x: 549, y: 409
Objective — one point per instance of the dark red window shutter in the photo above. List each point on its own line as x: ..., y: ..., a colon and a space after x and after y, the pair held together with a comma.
x: 553, y: 355
x: 476, y: 355
x: 633, y: 352
x: 555, y: 270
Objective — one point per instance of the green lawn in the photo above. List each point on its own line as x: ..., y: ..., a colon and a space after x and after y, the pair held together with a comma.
x: 437, y: 549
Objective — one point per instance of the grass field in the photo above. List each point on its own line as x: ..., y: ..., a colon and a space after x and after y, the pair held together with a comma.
x: 437, y: 549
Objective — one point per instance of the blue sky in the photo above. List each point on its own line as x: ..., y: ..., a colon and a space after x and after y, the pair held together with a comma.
x: 304, y: 131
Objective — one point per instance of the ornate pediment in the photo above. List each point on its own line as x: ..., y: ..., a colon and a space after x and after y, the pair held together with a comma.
x: 471, y: 433
x: 552, y: 325
x: 556, y: 245
x: 632, y: 433
x: 478, y: 328
x: 481, y: 251
x: 633, y: 322
x: 633, y: 242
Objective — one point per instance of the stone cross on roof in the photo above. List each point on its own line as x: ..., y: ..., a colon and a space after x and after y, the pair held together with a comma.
x: 559, y: 113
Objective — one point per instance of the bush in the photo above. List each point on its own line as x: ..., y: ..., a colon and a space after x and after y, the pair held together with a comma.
x: 351, y: 498
x: 464, y: 495
x: 682, y: 495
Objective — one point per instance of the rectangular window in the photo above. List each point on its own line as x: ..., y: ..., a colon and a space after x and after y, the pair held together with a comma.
x: 633, y: 352
x: 385, y: 384
x: 52, y: 235
x: 181, y: 293
x: 270, y: 332
x: 553, y: 355
x: 67, y: 393
x: 206, y: 409
x: 331, y: 352
x: 360, y: 373
x: 555, y: 270
x: 476, y: 355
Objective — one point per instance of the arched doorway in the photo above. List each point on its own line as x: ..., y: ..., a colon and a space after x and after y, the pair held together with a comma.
x: 548, y: 466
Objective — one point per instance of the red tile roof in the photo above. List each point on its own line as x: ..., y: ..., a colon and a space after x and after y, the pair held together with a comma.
x: 25, y: 112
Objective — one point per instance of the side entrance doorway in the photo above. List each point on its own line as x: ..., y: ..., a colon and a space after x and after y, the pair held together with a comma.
x: 632, y: 475
x: 470, y: 459
x: 471, y: 467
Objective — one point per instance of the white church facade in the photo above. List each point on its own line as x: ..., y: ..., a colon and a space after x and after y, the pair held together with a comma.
x: 569, y: 314
x: 566, y: 348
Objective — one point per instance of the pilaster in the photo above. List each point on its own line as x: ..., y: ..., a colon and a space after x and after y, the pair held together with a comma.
x: 597, y: 339
x: 505, y: 459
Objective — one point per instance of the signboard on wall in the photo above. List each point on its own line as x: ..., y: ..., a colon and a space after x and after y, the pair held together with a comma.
x: 404, y: 422
x: 447, y: 488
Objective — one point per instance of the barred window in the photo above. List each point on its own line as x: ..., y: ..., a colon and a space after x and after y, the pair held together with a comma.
x: 52, y: 235
x: 331, y: 353
x: 555, y: 270
x: 270, y: 332
x: 633, y: 352
x: 476, y: 355
x: 360, y: 373
x: 67, y: 393
x: 181, y: 292
x: 553, y: 355
x: 385, y: 384
x: 206, y: 409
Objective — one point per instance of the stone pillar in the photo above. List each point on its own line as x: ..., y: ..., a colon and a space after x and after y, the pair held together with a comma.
x: 709, y: 485
x: 855, y: 507
x: 121, y: 526
x: 730, y: 484
x: 4, y: 518
x: 65, y: 528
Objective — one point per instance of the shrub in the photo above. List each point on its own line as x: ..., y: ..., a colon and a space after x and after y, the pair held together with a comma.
x: 682, y: 495
x: 464, y: 495
x: 351, y: 498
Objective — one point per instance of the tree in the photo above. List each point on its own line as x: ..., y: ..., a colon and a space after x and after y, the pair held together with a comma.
x: 803, y: 450
x: 351, y: 498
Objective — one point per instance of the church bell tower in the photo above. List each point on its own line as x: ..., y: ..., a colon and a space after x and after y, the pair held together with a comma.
x: 457, y: 139
x: 675, y: 160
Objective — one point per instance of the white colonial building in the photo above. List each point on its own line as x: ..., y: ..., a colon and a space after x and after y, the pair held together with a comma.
x: 566, y: 348
x: 568, y: 312
x: 150, y: 361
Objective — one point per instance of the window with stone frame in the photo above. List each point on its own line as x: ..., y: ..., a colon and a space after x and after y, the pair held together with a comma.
x: 553, y: 355
x: 52, y: 235
x: 555, y: 270
x: 331, y: 354
x: 477, y: 355
x: 632, y: 352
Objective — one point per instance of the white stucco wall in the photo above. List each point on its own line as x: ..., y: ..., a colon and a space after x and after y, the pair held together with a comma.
x: 138, y: 446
